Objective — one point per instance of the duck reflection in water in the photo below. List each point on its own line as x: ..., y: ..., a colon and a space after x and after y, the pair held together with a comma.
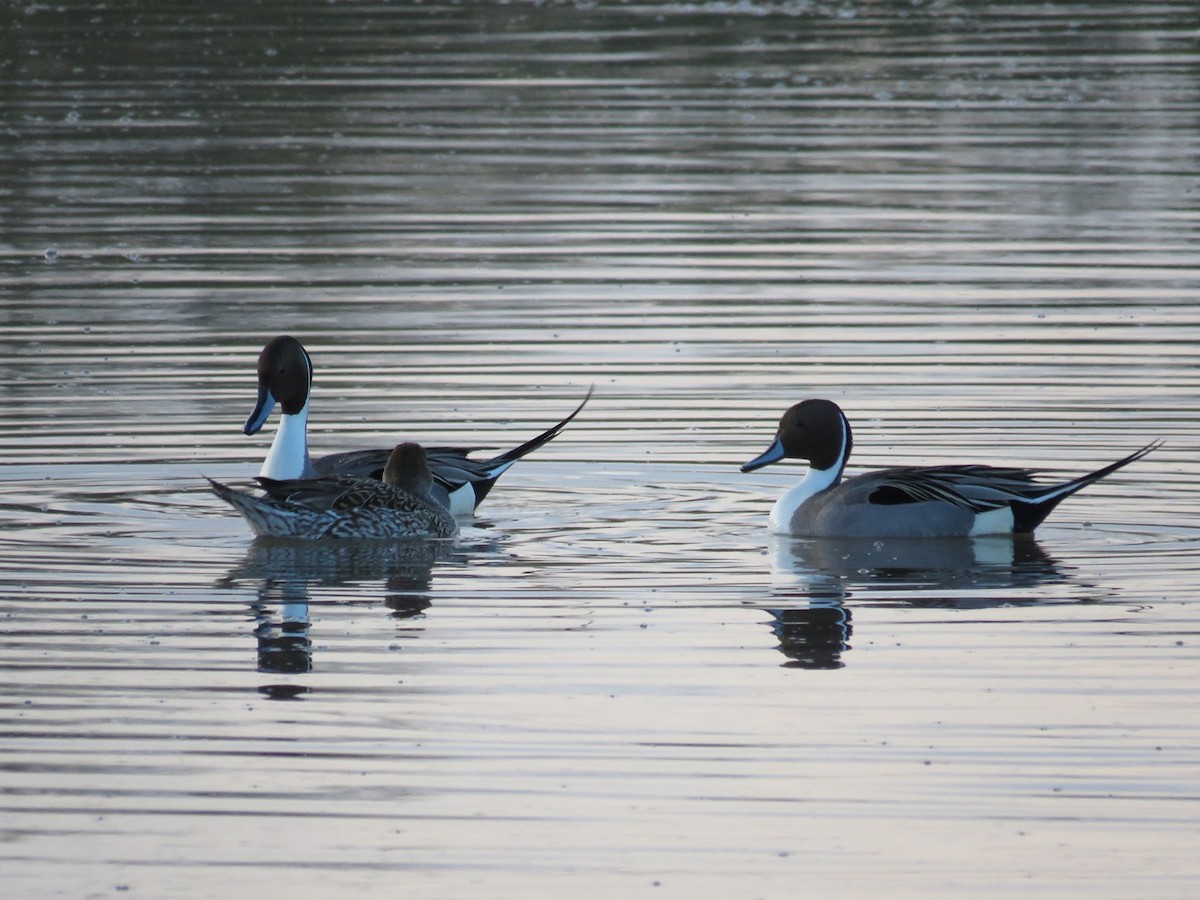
x: 285, y: 571
x: 815, y: 635
x: 814, y: 628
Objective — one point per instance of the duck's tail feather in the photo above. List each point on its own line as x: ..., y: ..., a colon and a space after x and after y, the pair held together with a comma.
x: 498, y: 465
x: 1028, y: 514
x: 262, y: 514
x: 451, y: 466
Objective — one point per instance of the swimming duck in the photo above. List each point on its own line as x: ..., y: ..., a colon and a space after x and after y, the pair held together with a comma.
x: 910, y: 501
x: 285, y: 373
x: 340, y: 506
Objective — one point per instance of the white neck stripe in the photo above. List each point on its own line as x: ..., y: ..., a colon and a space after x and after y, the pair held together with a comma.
x: 288, y: 456
x: 813, y: 482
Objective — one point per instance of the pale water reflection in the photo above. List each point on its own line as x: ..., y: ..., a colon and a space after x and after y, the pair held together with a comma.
x: 971, y: 225
x: 283, y: 573
x: 984, y: 563
x: 830, y: 576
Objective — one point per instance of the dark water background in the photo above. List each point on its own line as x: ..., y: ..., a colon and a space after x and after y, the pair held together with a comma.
x: 973, y: 225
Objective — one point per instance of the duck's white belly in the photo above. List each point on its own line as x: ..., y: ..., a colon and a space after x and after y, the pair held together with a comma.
x: 784, y: 510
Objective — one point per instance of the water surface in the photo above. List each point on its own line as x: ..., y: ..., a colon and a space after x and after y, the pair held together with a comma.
x: 973, y: 226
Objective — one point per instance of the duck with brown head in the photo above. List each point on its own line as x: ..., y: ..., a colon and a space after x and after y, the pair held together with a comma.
x: 340, y: 506
x: 285, y: 378
x: 903, y: 502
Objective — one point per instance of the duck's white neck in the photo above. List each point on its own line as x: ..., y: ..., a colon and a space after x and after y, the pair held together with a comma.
x: 813, y: 482
x: 288, y: 456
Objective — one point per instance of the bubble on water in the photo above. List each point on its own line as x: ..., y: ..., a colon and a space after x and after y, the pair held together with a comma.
x: 51, y: 255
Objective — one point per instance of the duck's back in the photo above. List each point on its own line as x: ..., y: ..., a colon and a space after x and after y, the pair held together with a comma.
x: 873, y: 506
x: 392, y: 521
x: 340, y: 506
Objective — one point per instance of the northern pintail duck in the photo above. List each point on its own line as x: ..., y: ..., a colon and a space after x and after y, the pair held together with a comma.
x: 285, y: 374
x: 910, y: 501
x: 341, y: 506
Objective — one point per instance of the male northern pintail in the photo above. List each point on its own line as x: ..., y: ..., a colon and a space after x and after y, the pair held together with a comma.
x: 342, y: 506
x: 910, y: 501
x: 285, y: 374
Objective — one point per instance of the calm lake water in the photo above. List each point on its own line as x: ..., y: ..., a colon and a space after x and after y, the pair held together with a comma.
x: 974, y: 226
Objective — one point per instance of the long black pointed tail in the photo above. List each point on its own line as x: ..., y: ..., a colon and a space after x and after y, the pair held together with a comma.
x: 1030, y: 514
x: 497, y: 465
